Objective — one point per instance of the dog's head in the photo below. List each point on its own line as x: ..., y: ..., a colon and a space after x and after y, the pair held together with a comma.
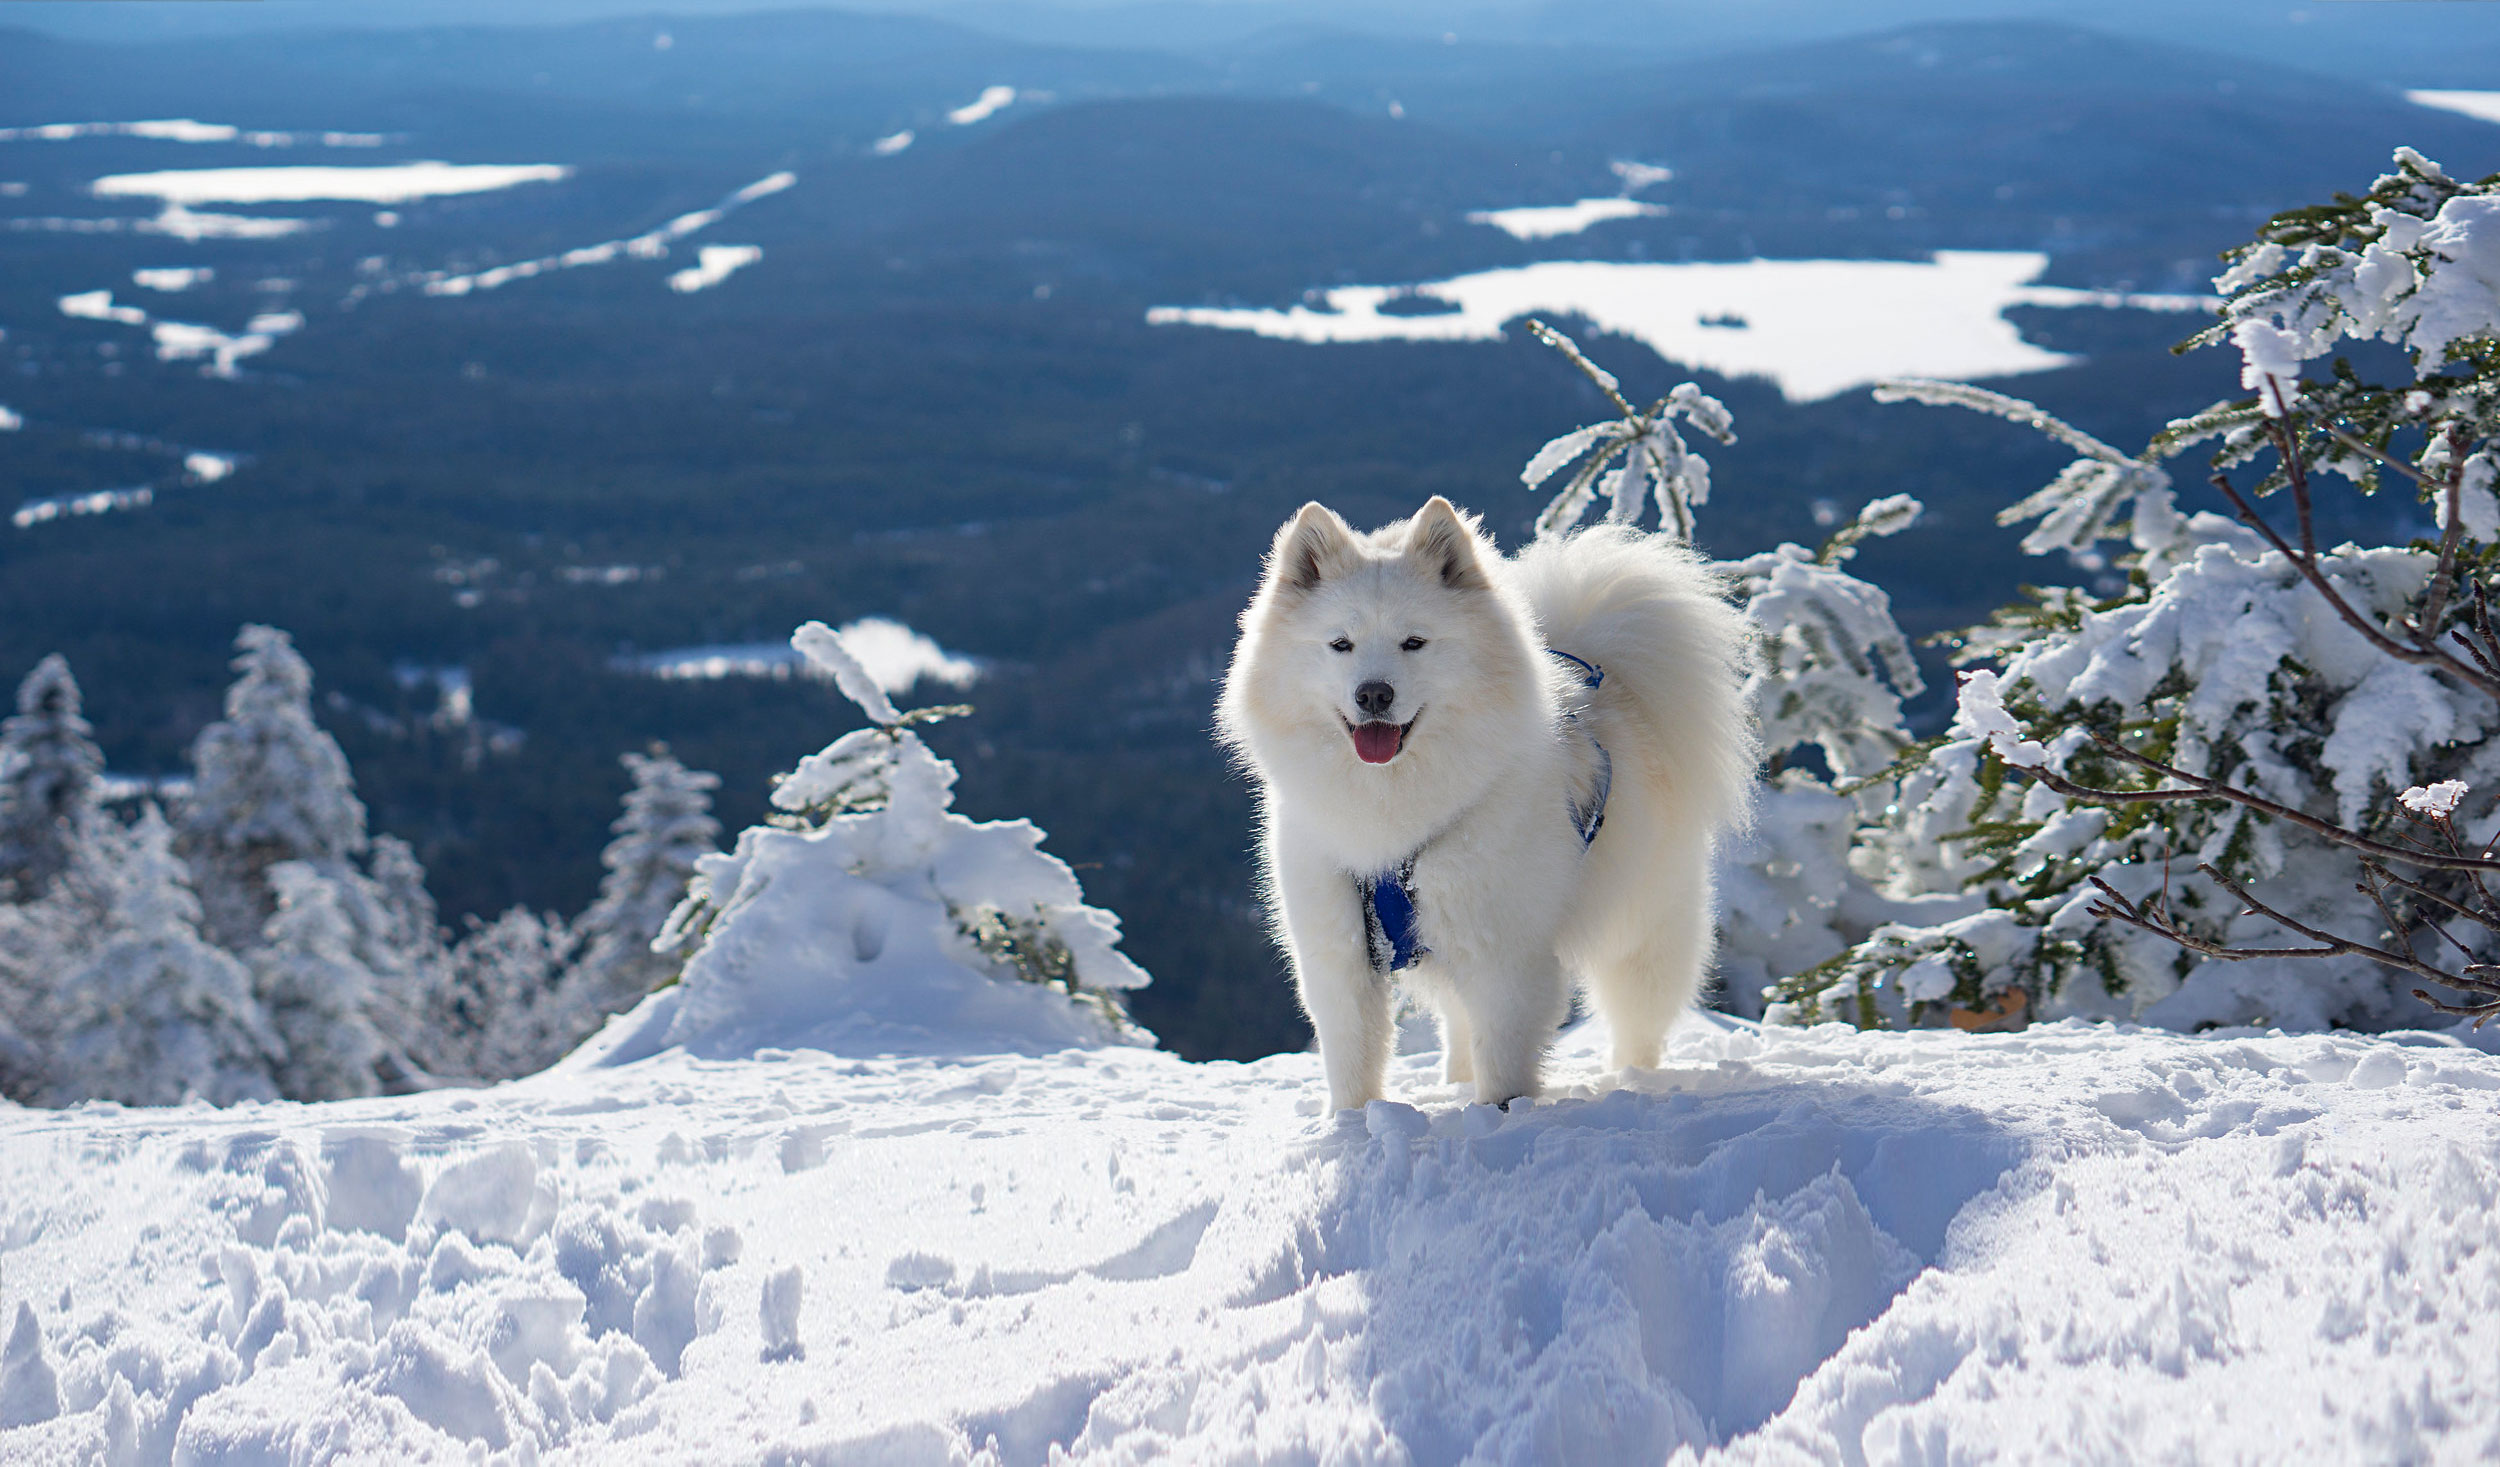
x: 1373, y: 648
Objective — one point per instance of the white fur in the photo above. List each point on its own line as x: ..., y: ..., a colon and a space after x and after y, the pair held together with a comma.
x: 1510, y: 906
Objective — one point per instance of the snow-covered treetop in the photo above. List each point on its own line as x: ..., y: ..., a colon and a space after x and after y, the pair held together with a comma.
x: 1656, y: 465
x: 2415, y: 262
x: 822, y: 646
x: 867, y: 768
x: 268, y: 775
x: 669, y: 808
x: 48, y: 756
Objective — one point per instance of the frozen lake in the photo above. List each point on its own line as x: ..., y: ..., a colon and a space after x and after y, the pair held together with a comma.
x: 1817, y: 328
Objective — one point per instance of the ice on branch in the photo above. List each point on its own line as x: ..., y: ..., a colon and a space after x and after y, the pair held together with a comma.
x: 2089, y: 500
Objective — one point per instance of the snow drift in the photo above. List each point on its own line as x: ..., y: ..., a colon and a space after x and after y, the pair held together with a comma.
x: 2085, y: 1243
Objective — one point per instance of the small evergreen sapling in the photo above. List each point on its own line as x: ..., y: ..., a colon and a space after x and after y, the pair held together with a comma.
x: 1655, y: 464
x: 912, y: 911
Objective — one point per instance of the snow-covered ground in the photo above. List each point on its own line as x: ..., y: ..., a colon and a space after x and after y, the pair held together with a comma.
x: 2075, y: 1244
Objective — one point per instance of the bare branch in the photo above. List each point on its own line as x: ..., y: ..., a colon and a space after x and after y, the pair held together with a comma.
x: 2203, y: 788
x: 2422, y: 893
x: 2478, y: 1012
x: 2435, y: 605
x: 2464, y: 982
x: 2386, y: 459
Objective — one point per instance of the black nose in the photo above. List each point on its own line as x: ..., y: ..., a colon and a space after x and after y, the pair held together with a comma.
x: 1375, y: 698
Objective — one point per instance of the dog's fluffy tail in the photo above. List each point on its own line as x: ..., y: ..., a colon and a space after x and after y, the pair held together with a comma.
x: 1651, y: 613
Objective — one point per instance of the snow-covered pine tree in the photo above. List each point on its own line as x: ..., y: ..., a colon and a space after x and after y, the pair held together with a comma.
x: 269, y: 785
x: 44, y: 939
x: 317, y: 992
x: 49, y: 763
x: 2234, y: 792
x: 502, y: 1016
x: 154, y: 1015
x: 666, y: 826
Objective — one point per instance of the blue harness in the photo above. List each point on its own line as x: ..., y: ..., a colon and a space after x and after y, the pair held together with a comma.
x: 1389, y: 919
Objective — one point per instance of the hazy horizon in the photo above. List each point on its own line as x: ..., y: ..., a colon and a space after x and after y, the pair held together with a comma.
x: 2387, y: 39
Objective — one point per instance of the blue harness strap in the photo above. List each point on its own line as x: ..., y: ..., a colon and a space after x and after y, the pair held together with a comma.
x: 1389, y: 920
x: 1389, y: 917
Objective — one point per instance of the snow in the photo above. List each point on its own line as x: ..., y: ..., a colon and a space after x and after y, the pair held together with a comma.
x: 2438, y: 801
x: 649, y: 246
x: 208, y: 467
x: 173, y: 221
x: 991, y: 102
x: 185, y: 224
x: 1556, y: 220
x: 2092, y: 1242
x: 2481, y: 106
x: 186, y: 130
x: 99, y: 501
x: 2270, y: 357
x: 714, y: 264
x: 97, y: 305
x: 391, y: 183
x: 895, y: 656
x: 173, y: 278
x: 1817, y: 328
x: 1979, y: 713
x: 181, y: 341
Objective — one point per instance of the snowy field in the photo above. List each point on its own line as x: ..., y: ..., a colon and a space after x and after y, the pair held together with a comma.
x: 2075, y: 1244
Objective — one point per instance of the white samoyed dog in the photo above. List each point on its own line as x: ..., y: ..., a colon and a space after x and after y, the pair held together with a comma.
x: 1489, y: 777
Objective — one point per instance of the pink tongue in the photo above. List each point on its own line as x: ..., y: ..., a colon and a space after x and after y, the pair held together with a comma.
x: 1377, y: 743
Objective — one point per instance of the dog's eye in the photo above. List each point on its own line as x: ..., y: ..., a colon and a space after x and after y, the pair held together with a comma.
x: 1341, y: 645
x: 1413, y: 644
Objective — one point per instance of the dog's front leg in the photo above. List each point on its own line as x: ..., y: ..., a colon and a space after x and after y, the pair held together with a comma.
x: 1347, y: 1002
x: 1515, y: 999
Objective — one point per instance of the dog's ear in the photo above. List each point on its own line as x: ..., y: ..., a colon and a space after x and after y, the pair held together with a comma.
x: 1311, y: 548
x: 1444, y: 541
